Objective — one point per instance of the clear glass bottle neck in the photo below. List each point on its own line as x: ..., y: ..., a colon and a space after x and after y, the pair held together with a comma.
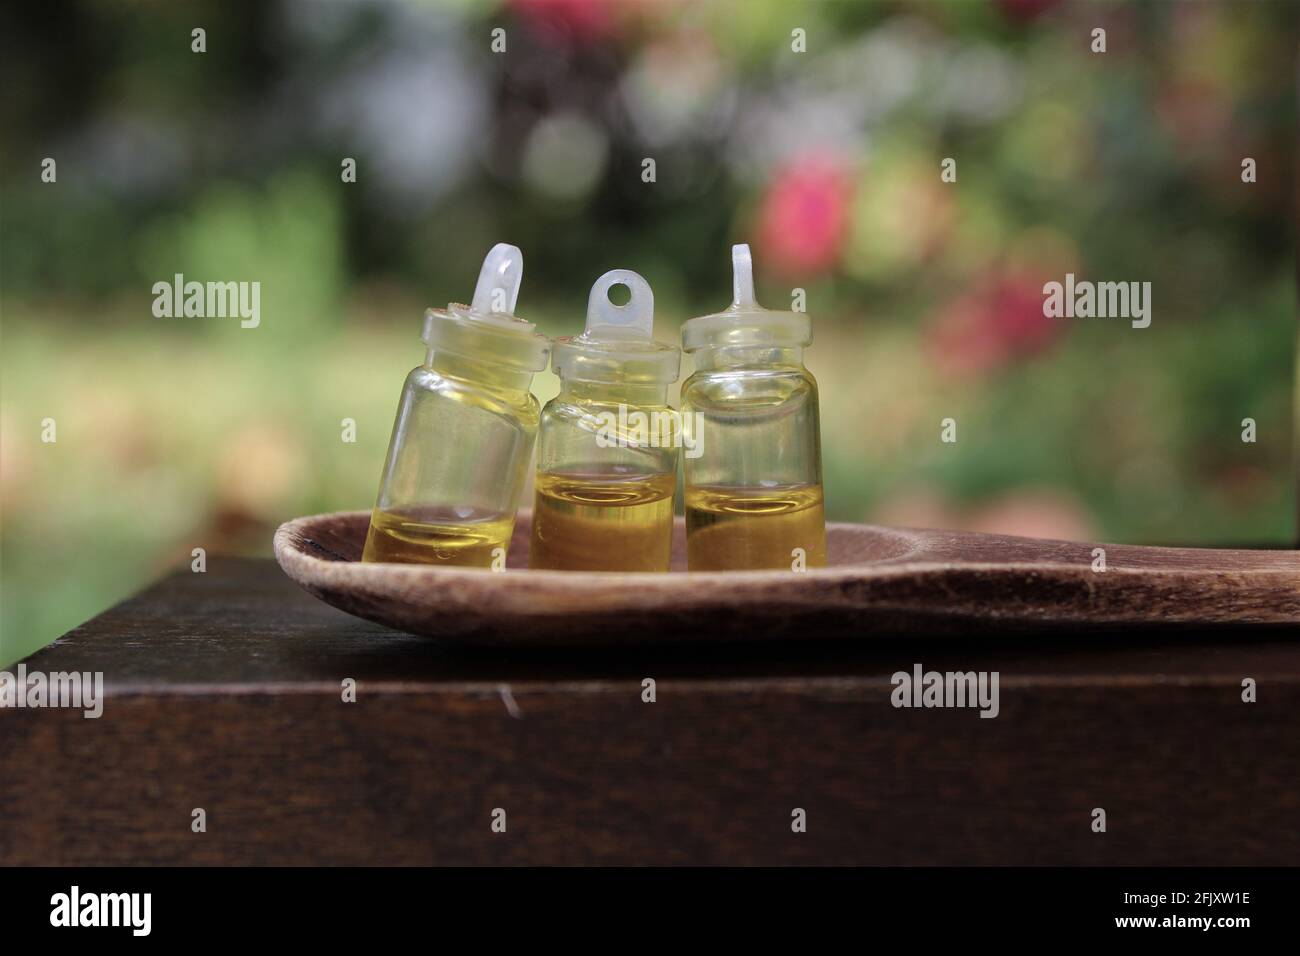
x: 611, y: 393
x: 724, y: 357
x: 489, y: 374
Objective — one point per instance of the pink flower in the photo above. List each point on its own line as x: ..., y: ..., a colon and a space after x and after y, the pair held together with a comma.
x: 804, y: 217
x: 581, y: 21
x: 999, y: 321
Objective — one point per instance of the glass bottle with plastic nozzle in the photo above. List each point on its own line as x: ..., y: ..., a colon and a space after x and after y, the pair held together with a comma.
x: 464, y: 433
x: 754, y: 493
x: 607, y: 455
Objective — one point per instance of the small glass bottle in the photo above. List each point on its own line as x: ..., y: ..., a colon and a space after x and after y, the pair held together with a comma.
x: 754, y: 490
x: 607, y: 456
x: 463, y: 438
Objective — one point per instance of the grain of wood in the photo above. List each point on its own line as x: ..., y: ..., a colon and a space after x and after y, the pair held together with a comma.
x: 223, y: 692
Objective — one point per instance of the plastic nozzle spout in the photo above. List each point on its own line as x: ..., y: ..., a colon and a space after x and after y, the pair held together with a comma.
x: 634, y: 319
x: 499, y: 280
x: 742, y: 278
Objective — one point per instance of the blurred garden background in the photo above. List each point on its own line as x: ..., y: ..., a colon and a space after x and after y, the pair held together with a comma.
x: 926, y: 295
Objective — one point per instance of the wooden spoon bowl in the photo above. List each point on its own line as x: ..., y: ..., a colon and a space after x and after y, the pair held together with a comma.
x: 879, y: 581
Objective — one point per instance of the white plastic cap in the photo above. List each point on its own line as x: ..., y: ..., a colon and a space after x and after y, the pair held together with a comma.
x: 497, y: 290
x: 488, y: 329
x: 633, y: 319
x: 746, y: 324
x: 742, y: 279
x: 618, y: 346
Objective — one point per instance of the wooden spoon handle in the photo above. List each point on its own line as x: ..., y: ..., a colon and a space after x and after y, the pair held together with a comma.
x: 998, y: 576
x: 968, y: 547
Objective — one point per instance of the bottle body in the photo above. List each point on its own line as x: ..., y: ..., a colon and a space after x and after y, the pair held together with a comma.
x: 606, y: 477
x: 754, y: 494
x: 456, y: 466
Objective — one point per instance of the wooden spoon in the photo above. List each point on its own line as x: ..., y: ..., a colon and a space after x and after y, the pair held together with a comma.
x: 879, y: 581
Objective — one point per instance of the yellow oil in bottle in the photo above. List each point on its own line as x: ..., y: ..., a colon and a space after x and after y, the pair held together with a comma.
x: 733, y: 529
x: 602, y: 521
x: 442, y: 536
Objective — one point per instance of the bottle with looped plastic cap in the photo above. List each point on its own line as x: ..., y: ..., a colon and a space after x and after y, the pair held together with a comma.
x: 753, y: 495
x: 607, y: 455
x: 458, y: 459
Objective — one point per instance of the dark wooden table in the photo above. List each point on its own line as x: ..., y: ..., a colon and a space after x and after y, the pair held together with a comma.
x: 224, y: 693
